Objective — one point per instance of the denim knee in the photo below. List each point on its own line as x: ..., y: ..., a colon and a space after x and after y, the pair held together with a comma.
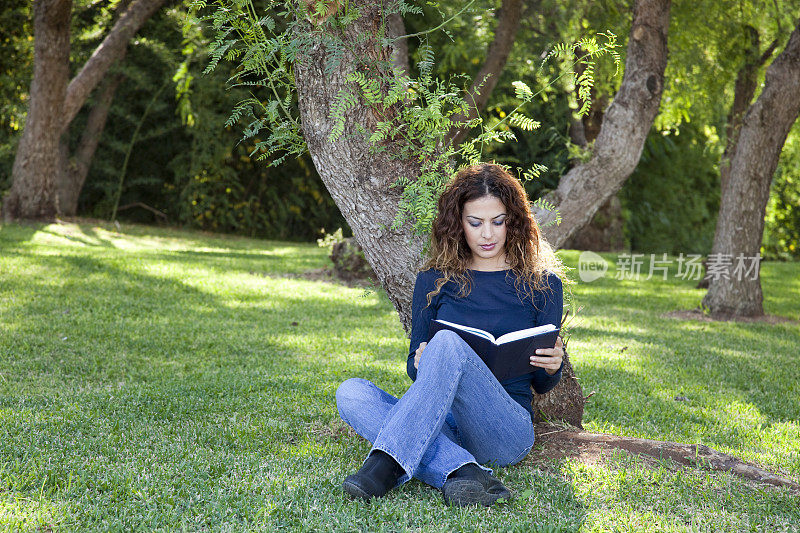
x: 447, y: 349
x: 349, y: 393
x: 511, y: 458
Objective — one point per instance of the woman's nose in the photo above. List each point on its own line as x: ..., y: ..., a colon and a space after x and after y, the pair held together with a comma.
x: 487, y: 231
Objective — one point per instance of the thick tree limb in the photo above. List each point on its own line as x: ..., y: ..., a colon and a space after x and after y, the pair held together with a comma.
x: 697, y: 455
x: 109, y: 51
x: 626, y: 124
x: 496, y: 58
x: 75, y: 169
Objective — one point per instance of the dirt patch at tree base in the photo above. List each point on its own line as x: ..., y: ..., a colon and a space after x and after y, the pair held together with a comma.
x: 555, y: 443
x: 698, y: 315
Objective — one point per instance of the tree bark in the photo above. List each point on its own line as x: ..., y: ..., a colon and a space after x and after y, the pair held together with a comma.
x: 744, y: 89
x: 585, y: 188
x: 740, y: 224
x: 33, y: 190
x: 36, y: 189
x: 496, y: 58
x: 359, y: 181
x: 73, y: 171
x: 396, y: 28
x: 605, y: 232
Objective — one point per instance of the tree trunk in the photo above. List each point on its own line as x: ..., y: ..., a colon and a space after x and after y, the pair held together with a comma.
x: 740, y: 224
x: 33, y: 190
x: 358, y: 181
x: 73, y: 170
x: 585, y: 188
x: 36, y: 189
x: 604, y: 233
x: 496, y: 58
x: 743, y: 91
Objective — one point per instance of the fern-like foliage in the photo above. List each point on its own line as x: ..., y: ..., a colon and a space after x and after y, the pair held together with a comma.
x: 585, y: 52
x: 541, y: 203
x: 415, y: 115
x: 265, y: 57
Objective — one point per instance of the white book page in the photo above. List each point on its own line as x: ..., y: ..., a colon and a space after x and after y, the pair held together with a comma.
x: 523, y: 333
x: 474, y: 331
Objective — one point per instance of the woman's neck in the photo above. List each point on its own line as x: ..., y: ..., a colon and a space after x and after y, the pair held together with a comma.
x: 492, y: 265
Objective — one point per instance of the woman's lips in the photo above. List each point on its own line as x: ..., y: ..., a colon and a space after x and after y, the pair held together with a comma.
x: 487, y: 247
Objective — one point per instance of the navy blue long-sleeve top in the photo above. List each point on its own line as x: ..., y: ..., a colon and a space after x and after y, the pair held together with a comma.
x: 493, y: 305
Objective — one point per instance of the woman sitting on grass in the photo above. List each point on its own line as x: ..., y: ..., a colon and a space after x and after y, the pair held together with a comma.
x: 489, y: 268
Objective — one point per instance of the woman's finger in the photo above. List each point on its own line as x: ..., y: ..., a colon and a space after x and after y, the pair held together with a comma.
x: 550, y: 351
x: 546, y: 361
x: 418, y: 353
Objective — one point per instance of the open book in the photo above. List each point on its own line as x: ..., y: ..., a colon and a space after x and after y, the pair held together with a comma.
x: 508, y: 356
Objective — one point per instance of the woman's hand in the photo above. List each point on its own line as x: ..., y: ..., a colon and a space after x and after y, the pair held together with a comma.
x: 552, y: 363
x: 417, y: 355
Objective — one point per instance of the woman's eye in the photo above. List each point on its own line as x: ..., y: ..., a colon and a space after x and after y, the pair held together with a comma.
x: 500, y: 223
x: 474, y: 225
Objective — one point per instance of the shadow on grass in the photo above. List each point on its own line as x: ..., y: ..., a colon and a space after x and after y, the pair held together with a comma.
x: 136, y: 322
x: 18, y: 233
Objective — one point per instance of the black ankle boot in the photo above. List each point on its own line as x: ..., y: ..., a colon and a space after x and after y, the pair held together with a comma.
x: 377, y: 476
x: 472, y: 485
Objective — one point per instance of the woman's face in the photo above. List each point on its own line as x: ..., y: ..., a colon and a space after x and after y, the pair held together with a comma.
x: 484, y: 223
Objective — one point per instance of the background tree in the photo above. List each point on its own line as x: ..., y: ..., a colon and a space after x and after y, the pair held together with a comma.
x: 55, y: 101
x: 754, y: 159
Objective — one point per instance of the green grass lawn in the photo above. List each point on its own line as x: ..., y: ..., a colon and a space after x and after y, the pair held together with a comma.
x: 163, y: 379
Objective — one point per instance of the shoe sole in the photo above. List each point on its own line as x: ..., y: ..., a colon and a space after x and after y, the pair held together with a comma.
x: 355, y: 491
x: 466, y: 492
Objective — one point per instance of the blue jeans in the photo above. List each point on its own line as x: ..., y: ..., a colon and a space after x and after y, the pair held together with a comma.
x: 455, y: 413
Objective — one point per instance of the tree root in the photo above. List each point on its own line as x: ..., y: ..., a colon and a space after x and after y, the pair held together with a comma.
x: 566, y: 439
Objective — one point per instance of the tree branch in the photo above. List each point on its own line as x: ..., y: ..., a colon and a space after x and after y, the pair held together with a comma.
x: 496, y: 58
x: 584, y: 189
x: 768, y: 52
x: 95, y: 124
x: 110, y: 50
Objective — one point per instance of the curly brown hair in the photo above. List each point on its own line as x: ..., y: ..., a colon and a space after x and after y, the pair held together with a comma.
x: 527, y: 251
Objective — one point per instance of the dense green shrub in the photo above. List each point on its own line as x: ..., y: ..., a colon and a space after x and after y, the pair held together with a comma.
x: 671, y: 200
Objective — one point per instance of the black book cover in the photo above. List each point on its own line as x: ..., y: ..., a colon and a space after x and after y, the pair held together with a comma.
x: 507, y: 360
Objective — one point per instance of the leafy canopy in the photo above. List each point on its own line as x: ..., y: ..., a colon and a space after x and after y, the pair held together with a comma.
x: 416, y: 113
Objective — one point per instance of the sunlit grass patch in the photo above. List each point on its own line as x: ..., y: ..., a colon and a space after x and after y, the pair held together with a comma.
x: 152, y: 378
